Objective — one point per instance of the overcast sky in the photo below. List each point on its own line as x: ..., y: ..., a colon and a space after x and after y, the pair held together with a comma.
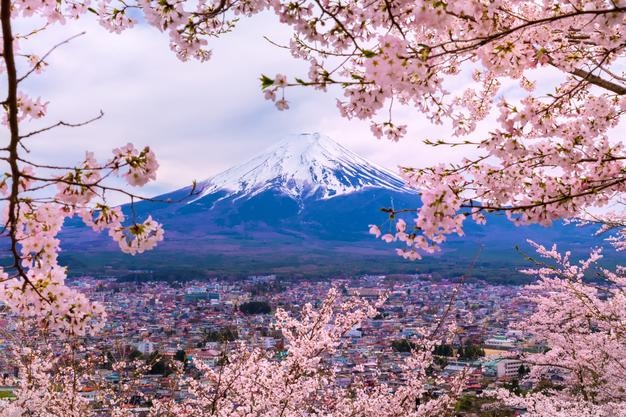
x: 200, y: 118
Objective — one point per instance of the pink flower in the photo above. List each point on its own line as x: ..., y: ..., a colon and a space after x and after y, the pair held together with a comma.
x: 280, y: 80
x: 282, y: 104
x: 374, y: 230
x: 140, y: 166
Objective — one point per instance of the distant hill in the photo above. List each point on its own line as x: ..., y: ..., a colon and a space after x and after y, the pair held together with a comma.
x: 301, y: 209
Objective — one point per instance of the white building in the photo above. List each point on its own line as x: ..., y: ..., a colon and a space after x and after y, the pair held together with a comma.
x: 355, y: 333
x: 90, y: 394
x: 500, y: 342
x: 146, y: 347
x: 269, y: 342
x: 508, y: 368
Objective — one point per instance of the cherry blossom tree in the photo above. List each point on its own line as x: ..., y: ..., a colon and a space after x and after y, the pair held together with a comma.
x: 248, y: 381
x: 253, y: 382
x: 39, y: 197
x: 551, y: 152
x: 581, y: 324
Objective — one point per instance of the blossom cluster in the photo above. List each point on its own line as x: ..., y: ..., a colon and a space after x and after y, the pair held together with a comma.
x: 581, y: 323
x: 549, y: 154
x: 251, y: 381
x: 34, y: 285
x: 141, y: 165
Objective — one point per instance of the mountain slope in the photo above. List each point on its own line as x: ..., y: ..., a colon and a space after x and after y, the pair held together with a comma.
x: 303, y: 208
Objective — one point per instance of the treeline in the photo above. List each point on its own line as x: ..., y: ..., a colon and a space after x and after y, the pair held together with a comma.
x: 157, y: 363
x: 255, y: 307
x: 467, y: 352
x: 225, y: 334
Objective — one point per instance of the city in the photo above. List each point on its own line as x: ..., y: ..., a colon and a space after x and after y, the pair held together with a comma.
x: 161, y: 323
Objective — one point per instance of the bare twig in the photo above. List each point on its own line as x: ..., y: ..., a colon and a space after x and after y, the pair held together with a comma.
x: 62, y: 123
x: 43, y: 58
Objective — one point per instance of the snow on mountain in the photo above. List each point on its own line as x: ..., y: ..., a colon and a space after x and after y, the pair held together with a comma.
x: 302, y: 166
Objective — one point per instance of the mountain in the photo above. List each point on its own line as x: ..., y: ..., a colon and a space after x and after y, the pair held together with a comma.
x: 300, y: 208
x: 302, y: 167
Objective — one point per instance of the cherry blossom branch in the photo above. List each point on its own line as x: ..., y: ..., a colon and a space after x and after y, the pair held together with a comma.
x: 65, y: 124
x: 481, y: 41
x: 46, y: 55
x: 598, y: 81
x: 11, y: 102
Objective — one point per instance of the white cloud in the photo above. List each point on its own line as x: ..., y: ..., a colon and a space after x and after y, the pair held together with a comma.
x: 200, y: 118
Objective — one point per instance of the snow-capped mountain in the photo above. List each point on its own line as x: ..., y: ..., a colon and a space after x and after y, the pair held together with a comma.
x: 302, y: 166
x: 302, y: 208
x: 302, y: 201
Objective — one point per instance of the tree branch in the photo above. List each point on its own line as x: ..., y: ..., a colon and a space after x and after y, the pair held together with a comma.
x: 42, y: 59
x: 599, y: 81
x: 62, y: 123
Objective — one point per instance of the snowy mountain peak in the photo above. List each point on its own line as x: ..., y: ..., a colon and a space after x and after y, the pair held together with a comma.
x: 309, y: 144
x: 303, y: 166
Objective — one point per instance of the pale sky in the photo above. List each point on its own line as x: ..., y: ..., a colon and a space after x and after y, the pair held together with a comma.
x: 200, y: 118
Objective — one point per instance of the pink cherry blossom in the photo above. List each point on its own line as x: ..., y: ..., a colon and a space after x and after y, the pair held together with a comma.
x: 139, y: 166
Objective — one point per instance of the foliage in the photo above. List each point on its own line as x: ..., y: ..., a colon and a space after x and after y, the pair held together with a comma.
x: 444, y: 349
x: 180, y: 356
x: 481, y: 407
x: 255, y: 307
x: 402, y: 345
x: 226, y: 334
x: 471, y: 351
x: 6, y: 395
